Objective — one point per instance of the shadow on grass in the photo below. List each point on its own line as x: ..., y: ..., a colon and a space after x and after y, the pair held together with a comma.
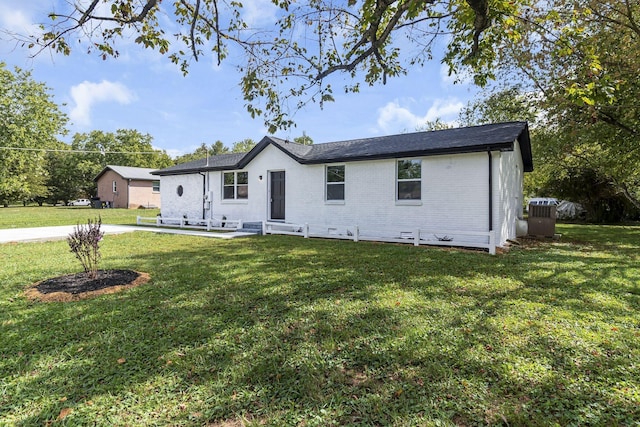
x: 284, y: 330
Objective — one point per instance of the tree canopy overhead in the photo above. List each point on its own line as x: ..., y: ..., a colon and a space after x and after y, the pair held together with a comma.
x: 291, y: 51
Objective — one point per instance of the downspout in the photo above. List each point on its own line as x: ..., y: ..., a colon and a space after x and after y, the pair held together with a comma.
x: 204, y: 192
x: 490, y: 193
x: 209, y: 193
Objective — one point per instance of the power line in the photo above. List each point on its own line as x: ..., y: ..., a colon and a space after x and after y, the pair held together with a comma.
x: 52, y: 150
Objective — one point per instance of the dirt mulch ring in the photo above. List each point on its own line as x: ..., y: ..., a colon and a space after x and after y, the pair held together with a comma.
x: 79, y: 286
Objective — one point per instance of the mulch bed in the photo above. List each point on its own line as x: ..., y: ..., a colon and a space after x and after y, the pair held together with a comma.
x: 74, y: 287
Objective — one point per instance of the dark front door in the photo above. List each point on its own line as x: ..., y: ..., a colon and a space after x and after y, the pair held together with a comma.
x: 277, y: 195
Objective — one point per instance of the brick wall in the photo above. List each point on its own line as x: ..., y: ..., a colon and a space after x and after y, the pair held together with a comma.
x: 141, y: 194
x: 118, y: 199
x: 511, y: 173
x: 189, y: 204
x: 454, y: 194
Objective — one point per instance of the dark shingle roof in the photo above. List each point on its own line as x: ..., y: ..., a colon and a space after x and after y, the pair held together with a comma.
x: 219, y: 162
x: 492, y: 137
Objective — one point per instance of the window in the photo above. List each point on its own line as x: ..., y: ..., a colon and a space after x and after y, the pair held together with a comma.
x: 409, y: 180
x: 235, y: 186
x: 114, y: 187
x: 156, y: 186
x: 335, y: 182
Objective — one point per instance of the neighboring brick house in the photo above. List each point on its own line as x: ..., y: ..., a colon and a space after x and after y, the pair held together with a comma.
x: 128, y: 187
x: 468, y: 180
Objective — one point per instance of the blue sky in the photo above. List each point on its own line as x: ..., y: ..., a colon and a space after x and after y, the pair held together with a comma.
x: 142, y: 90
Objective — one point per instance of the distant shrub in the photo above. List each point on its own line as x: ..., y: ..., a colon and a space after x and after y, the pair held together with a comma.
x: 85, y: 245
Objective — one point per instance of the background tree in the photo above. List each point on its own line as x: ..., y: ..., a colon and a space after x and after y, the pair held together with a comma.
x: 559, y: 170
x: 583, y: 58
x: 304, y: 139
x: 125, y: 147
x: 29, y: 122
x: 218, y: 148
x: 502, y: 104
x: 91, y: 152
x: 307, y: 42
x: 567, y: 166
x: 579, y: 61
x: 431, y: 125
x: 243, y: 146
x: 203, y: 151
x: 70, y: 176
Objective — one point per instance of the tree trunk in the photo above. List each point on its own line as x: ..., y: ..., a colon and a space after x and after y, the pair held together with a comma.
x: 635, y: 202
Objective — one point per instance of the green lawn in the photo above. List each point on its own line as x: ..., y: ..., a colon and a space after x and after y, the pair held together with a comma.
x: 40, y: 216
x: 281, y: 330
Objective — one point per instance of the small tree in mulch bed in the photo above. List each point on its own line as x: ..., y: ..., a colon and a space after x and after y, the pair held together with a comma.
x: 85, y: 245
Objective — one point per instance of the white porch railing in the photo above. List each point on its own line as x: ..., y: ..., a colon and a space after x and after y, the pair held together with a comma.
x: 452, y: 238
x: 218, y: 224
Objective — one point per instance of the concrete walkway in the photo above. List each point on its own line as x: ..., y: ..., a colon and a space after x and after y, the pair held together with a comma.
x: 40, y: 234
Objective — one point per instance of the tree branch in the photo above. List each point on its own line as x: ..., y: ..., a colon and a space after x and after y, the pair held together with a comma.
x: 480, y: 23
x: 610, y: 119
x: 217, y: 27
x: 627, y: 194
x: 196, y: 11
x: 627, y: 13
x: 370, y: 37
x: 86, y: 15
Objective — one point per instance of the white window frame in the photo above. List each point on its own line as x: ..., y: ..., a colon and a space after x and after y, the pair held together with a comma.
x: 235, y: 186
x: 404, y: 201
x: 155, y: 188
x: 114, y: 186
x: 335, y: 183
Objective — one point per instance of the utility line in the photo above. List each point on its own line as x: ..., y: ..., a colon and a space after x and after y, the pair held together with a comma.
x: 52, y: 150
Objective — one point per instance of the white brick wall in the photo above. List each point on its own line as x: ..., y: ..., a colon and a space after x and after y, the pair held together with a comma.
x: 454, y: 194
x: 189, y: 204
x: 510, y: 190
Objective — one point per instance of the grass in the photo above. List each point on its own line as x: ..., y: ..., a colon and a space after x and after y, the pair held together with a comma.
x: 41, y: 216
x: 281, y: 330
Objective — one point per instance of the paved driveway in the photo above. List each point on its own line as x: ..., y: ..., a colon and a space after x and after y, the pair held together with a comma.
x: 39, y: 234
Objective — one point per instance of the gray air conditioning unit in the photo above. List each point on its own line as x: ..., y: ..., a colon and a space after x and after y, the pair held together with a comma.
x: 542, y: 220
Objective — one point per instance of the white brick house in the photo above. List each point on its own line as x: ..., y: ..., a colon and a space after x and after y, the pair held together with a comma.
x: 454, y: 181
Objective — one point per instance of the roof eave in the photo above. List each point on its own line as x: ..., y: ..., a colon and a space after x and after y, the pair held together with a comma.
x: 195, y: 170
x: 525, y: 149
x: 102, y: 172
x: 505, y: 146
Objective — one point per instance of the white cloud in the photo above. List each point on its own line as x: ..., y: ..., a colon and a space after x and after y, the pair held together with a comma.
x: 16, y: 29
x: 258, y: 12
x: 86, y: 94
x: 396, y: 118
x: 16, y: 20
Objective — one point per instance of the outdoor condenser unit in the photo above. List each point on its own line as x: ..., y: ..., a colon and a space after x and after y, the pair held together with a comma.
x: 542, y: 220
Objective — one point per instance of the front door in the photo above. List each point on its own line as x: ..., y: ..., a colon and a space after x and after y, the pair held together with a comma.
x: 277, y: 195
